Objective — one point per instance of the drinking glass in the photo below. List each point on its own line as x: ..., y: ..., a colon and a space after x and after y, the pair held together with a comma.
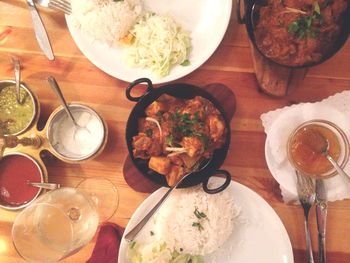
x: 104, y: 194
x: 62, y: 221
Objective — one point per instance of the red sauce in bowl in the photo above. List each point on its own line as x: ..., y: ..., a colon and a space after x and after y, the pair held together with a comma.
x: 15, y: 171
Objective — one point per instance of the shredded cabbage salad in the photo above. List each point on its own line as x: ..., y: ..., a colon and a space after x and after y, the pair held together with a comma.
x: 159, y: 43
x: 157, y: 252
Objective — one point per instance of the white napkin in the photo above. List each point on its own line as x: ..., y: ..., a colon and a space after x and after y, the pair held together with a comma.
x: 279, y: 124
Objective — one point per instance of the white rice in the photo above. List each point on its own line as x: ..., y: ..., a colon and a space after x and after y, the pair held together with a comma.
x: 105, y: 20
x: 174, y: 221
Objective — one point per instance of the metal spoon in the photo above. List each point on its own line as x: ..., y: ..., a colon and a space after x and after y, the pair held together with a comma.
x: 130, y: 236
x: 17, y: 65
x: 49, y: 186
x: 57, y: 90
x: 320, y: 144
x: 136, y: 229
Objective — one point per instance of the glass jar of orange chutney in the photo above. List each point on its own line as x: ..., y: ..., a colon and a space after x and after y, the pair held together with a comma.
x: 302, y: 144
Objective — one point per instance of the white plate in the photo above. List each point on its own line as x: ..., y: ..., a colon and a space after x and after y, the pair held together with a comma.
x: 276, y: 145
x: 206, y: 20
x: 259, y: 235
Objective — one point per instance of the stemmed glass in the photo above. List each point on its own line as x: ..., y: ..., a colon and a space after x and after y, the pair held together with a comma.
x: 104, y: 194
x: 62, y: 221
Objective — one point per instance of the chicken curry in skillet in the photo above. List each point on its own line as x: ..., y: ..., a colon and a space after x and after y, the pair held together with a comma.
x: 298, y: 32
x: 177, y: 135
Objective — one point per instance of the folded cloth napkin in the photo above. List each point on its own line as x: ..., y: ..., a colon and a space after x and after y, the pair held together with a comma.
x: 106, y: 249
x: 280, y: 123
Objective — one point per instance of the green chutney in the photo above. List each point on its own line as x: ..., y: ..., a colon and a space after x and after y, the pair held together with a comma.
x: 14, y: 117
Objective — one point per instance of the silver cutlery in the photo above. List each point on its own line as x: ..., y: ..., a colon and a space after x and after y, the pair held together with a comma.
x: 48, y: 186
x: 17, y: 67
x: 40, y: 32
x: 130, y: 236
x: 60, y: 5
x: 320, y: 144
x: 321, y: 216
x: 306, y: 194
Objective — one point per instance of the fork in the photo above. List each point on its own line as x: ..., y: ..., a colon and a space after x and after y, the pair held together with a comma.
x: 306, y: 194
x: 60, y: 5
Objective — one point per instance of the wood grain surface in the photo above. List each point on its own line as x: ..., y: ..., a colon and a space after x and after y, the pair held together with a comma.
x: 231, y: 65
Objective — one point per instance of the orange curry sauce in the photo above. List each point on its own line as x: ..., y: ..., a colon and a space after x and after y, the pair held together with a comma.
x: 305, y: 158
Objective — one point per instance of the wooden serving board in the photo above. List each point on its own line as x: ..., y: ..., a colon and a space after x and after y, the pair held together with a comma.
x: 223, y: 94
x: 273, y: 79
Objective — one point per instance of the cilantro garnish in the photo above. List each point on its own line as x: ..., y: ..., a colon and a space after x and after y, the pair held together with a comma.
x: 186, y: 62
x: 198, y: 214
x: 149, y: 133
x: 303, y: 26
x: 198, y: 225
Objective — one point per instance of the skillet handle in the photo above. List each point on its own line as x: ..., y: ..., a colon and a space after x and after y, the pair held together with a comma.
x: 135, y: 83
x: 240, y: 18
x: 222, y: 187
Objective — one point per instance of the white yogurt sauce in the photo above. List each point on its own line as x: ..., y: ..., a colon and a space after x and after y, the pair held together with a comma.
x: 77, y: 142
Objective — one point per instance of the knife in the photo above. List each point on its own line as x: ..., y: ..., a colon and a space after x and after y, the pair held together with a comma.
x: 40, y: 32
x: 321, y: 216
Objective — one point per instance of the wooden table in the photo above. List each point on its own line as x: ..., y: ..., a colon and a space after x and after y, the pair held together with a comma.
x: 231, y: 65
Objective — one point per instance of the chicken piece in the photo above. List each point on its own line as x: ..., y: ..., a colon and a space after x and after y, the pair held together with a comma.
x: 149, y: 128
x: 141, y: 142
x: 189, y: 161
x: 161, y: 165
x: 155, y: 107
x: 176, y: 172
x: 155, y: 149
x: 176, y: 159
x: 165, y: 98
x: 193, y: 146
x: 216, y: 127
x: 195, y: 105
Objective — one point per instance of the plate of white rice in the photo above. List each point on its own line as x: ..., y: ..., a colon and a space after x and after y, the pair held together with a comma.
x: 236, y: 225
x: 95, y: 25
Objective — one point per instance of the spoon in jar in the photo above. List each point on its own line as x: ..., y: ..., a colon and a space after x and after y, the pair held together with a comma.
x: 320, y: 144
x: 49, y: 186
x: 83, y: 132
x: 17, y: 65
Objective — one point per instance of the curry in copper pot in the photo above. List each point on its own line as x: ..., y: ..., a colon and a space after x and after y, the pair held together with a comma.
x: 177, y: 135
x: 298, y: 32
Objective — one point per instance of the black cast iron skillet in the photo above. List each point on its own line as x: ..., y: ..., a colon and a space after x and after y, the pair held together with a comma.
x: 184, y: 91
x: 250, y: 15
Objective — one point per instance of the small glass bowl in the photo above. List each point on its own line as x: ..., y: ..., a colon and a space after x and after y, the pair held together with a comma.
x: 343, y: 143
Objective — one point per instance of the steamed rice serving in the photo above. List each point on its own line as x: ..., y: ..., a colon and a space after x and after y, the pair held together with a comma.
x: 105, y: 20
x: 194, y: 222
x: 190, y: 225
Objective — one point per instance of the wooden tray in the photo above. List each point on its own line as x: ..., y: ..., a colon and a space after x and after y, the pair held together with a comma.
x: 273, y: 79
x: 139, y: 182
